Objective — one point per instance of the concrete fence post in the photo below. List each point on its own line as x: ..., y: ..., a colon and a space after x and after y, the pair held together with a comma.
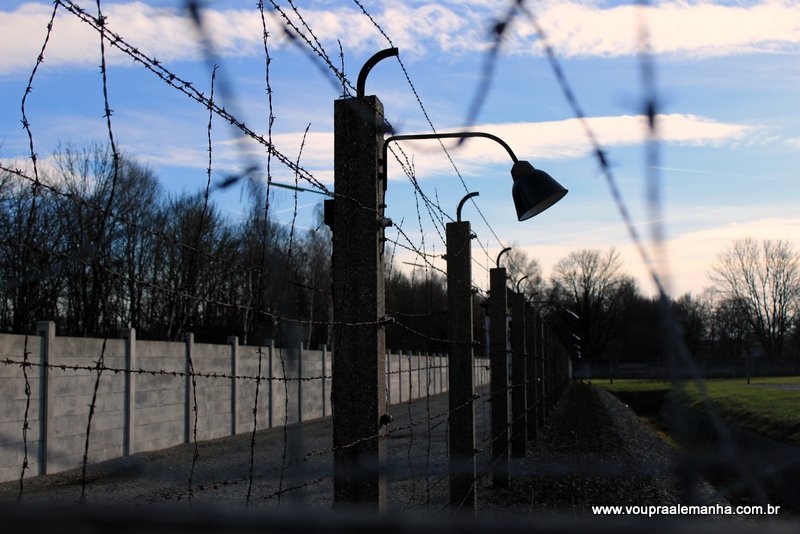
x: 530, y: 368
x: 387, y: 364
x: 461, y: 368
x: 359, y: 388
x: 187, y: 405
x: 129, y: 439
x: 269, y: 344
x: 233, y: 341
x: 548, y: 368
x: 428, y: 372
x: 420, y: 369
x: 437, y: 382
x: 47, y: 331
x: 540, y: 371
x: 498, y: 309
x: 519, y: 426
x: 300, y: 383
x: 400, y: 376
x: 323, y: 349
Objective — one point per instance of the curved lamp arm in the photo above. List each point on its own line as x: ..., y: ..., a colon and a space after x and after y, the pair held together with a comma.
x: 371, y: 62
x: 533, y: 190
x: 501, y: 255
x: 455, y: 135
x: 461, y: 204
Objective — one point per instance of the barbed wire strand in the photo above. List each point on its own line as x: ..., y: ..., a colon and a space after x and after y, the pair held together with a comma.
x: 99, y: 369
x: 25, y: 423
x: 195, y: 412
x: 251, y: 466
x: 187, y: 88
x: 23, y: 258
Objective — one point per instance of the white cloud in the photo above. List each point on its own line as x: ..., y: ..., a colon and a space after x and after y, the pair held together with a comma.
x: 157, y: 141
x: 692, y: 28
x: 535, y: 141
x: 576, y: 28
x: 566, y: 139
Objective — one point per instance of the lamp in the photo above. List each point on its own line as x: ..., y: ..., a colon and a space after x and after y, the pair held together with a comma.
x: 533, y: 191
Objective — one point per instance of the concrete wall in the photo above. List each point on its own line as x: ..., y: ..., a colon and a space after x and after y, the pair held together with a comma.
x: 145, y: 395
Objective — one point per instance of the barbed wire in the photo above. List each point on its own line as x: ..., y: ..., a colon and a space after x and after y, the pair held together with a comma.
x: 432, y: 207
x: 25, y: 423
x: 433, y: 129
x: 92, y: 405
x: 255, y: 426
x: 191, y: 248
x: 188, y: 89
x: 210, y: 105
x: 25, y: 363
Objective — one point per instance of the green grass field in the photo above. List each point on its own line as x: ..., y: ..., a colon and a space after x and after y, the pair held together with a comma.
x: 771, y: 412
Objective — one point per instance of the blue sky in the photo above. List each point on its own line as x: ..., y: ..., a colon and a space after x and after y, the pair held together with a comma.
x: 727, y: 75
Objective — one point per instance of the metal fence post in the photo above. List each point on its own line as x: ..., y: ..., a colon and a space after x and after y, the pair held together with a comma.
x: 463, y: 468
x: 359, y: 387
x: 498, y: 309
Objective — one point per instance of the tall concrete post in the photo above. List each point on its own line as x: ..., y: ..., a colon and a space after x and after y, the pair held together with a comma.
x: 359, y: 386
x: 519, y: 426
x: 540, y: 371
x: 498, y: 336
x: 547, y: 340
x: 530, y: 370
x: 463, y: 469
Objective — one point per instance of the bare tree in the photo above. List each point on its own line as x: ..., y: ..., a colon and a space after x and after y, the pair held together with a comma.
x: 764, y: 277
x: 592, y: 284
x: 694, y: 316
x: 519, y: 266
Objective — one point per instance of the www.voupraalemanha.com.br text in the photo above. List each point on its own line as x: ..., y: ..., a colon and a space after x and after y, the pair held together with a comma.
x: 679, y: 509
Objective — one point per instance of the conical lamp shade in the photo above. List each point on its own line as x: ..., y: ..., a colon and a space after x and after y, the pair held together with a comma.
x: 534, y: 190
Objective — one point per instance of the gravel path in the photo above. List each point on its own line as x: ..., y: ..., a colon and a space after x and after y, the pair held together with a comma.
x: 594, y: 451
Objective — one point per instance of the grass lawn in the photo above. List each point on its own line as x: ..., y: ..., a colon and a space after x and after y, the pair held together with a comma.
x: 774, y: 413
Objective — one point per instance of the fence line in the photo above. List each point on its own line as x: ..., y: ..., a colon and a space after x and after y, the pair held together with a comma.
x: 144, y: 400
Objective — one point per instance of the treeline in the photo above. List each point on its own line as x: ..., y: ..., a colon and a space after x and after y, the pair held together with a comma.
x: 751, y: 309
x: 96, y: 253
x: 598, y: 311
x: 97, y: 248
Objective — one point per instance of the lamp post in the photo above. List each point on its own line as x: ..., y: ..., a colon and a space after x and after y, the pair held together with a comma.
x: 356, y: 217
